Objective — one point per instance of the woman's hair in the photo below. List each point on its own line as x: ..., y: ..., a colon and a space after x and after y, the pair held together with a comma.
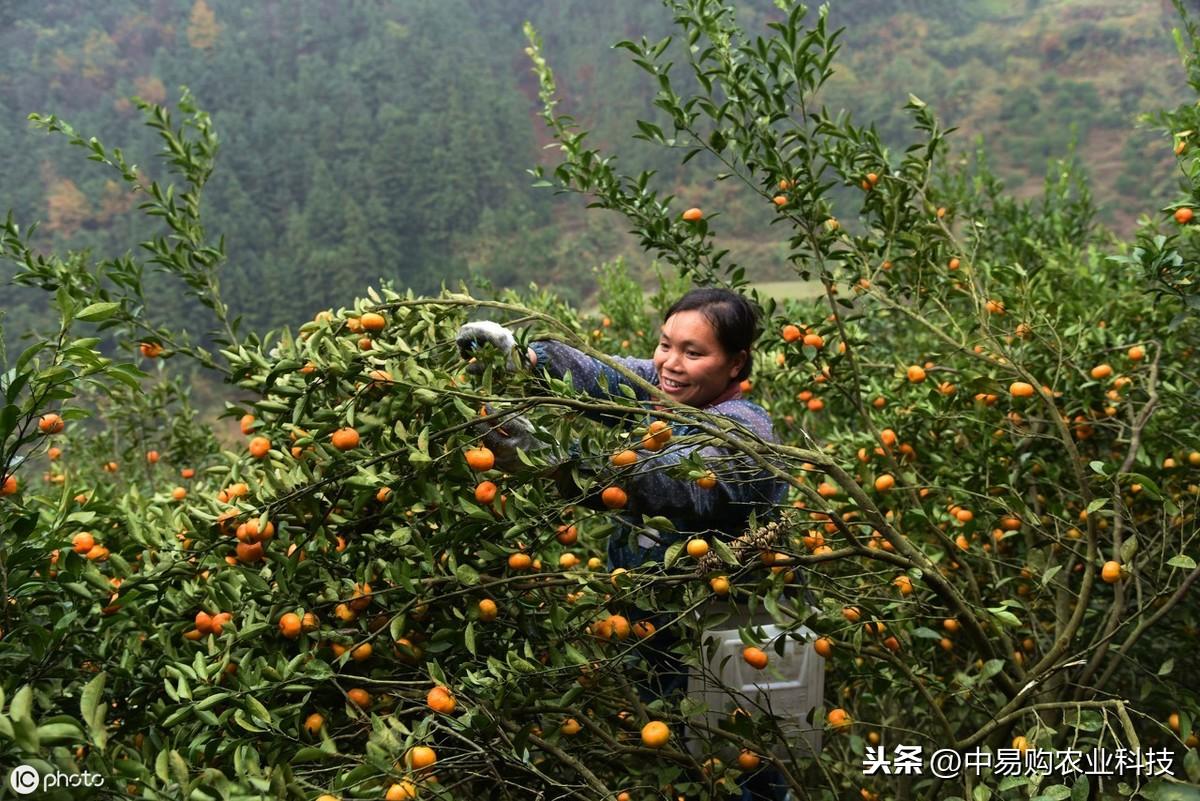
x: 732, y: 317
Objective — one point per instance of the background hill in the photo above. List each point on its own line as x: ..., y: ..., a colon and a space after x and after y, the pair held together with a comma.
x: 389, y: 140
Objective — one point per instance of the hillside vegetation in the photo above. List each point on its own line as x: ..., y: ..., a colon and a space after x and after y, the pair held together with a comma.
x: 391, y: 140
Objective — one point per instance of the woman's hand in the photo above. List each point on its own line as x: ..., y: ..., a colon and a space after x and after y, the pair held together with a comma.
x: 504, y: 438
x: 473, y: 336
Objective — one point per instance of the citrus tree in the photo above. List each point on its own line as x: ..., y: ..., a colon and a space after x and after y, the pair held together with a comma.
x: 989, y: 534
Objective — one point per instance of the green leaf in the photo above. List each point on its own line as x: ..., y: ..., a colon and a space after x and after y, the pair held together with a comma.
x: 59, y: 733
x: 1128, y: 550
x: 1055, y: 793
x: 723, y: 552
x: 991, y: 668
x: 1182, y: 561
x: 310, y: 754
x: 97, y: 312
x: 469, y: 637
x: 1096, y: 504
x: 1167, y: 667
x: 1005, y: 617
x: 93, y: 708
x: 256, y: 709
x: 22, y: 704
x: 466, y: 575
x: 1081, y: 789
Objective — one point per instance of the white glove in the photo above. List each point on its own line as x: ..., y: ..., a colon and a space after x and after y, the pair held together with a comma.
x: 472, y: 336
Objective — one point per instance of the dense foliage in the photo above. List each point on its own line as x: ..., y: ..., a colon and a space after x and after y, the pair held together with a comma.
x: 986, y: 428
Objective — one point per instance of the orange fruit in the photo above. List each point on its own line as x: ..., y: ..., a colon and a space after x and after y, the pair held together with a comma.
x: 838, y: 718
x: 1184, y: 215
x: 950, y: 624
x: 745, y: 386
x: 851, y: 613
x: 51, y: 423
x: 152, y: 457
x: 98, y: 553
x: 697, y: 547
x: 314, y: 723
x: 403, y: 790
x: 440, y: 700
x: 916, y: 373
x: 247, y: 423
x: 179, y: 493
x: 692, y: 215
x: 289, y: 625
x: 480, y: 459
x: 643, y: 629
x: 567, y: 534
x: 885, y: 482
x: 345, y: 439
x: 814, y: 340
x: 10, y: 486
x: 151, y: 350
x: 791, y: 333
x: 359, y: 697
x: 248, y: 552
x: 1020, y: 743
x: 655, y: 734
x: 707, y: 481
x: 1111, y: 572
x: 362, y: 653
x: 614, y: 497
x: 954, y: 264
x: 1021, y: 389
x: 204, y: 622
x: 383, y: 494
x: 83, y: 542
x: 1136, y: 353
x: 218, y: 622
x: 823, y: 646
x: 623, y: 458
x: 54, y: 454
x: 259, y: 447
x: 420, y: 756
x: 519, y: 561
x: 904, y: 584
x: 748, y: 760
x: 485, y: 492
x: 372, y: 322
x: 488, y: 610
x: 719, y: 585
x: 755, y: 657
x: 1173, y: 722
x: 1102, y: 371
x: 309, y: 622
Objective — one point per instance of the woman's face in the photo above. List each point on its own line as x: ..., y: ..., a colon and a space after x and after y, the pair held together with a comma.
x: 692, y: 367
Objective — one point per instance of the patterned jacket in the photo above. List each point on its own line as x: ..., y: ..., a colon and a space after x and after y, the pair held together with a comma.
x: 724, y: 510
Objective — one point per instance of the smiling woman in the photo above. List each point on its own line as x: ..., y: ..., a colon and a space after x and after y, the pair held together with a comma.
x: 705, y: 351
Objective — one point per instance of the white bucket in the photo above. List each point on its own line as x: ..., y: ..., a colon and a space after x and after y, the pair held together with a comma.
x: 787, y: 689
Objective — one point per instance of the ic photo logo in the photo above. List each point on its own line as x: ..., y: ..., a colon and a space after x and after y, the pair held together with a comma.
x: 25, y: 780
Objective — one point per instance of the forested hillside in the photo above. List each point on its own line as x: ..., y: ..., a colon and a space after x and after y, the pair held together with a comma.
x: 390, y: 140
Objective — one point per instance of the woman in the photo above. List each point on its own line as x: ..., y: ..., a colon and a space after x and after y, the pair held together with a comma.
x: 703, y: 355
